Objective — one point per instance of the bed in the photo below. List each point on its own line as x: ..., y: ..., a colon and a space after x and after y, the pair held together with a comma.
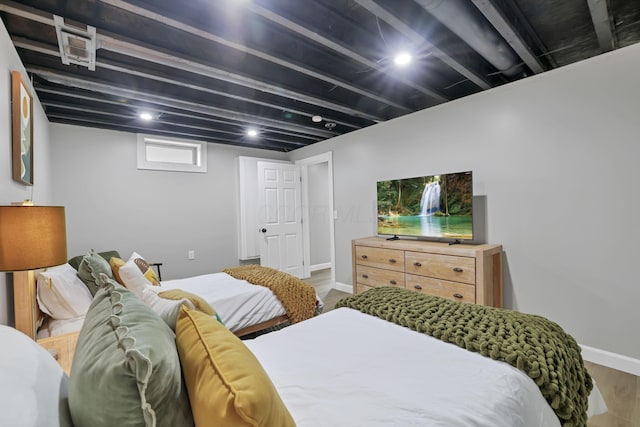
x: 246, y: 306
x: 344, y: 368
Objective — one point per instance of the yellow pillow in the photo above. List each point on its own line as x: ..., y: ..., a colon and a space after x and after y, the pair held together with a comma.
x: 115, y: 264
x: 227, y: 386
x: 198, y: 302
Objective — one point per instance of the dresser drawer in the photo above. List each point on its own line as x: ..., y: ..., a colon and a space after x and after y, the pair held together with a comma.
x: 390, y: 259
x: 441, y: 288
x: 376, y: 277
x: 447, y: 267
x: 360, y: 288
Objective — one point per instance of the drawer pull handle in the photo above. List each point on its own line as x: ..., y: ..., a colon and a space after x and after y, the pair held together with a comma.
x: 417, y: 264
x: 365, y: 276
x: 392, y: 261
x: 393, y: 282
x: 364, y: 256
x: 418, y: 287
x: 457, y: 270
x: 459, y: 296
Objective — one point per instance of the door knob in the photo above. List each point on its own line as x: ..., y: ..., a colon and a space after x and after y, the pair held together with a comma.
x: 264, y: 230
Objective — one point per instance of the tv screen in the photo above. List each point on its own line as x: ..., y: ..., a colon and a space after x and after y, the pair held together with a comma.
x: 433, y: 206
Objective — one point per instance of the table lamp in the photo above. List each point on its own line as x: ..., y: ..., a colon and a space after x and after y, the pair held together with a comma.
x: 31, y: 237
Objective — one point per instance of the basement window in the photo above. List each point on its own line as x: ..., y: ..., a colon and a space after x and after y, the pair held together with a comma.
x: 166, y: 154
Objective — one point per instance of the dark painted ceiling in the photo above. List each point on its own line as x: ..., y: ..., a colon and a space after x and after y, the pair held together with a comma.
x: 211, y: 69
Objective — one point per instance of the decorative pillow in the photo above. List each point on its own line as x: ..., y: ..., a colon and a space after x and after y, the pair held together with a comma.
x: 61, y: 294
x: 91, y: 266
x: 126, y: 370
x: 226, y: 383
x: 167, y: 309
x: 34, y: 388
x: 115, y: 264
x: 197, y: 302
x: 76, y: 260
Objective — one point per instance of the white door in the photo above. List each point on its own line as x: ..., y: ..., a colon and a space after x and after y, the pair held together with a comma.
x: 280, y: 217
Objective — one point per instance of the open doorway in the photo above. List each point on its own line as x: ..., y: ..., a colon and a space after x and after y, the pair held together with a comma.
x: 317, y: 214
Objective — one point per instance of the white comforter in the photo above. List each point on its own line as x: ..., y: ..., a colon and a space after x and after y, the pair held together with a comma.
x: 238, y: 303
x: 345, y: 368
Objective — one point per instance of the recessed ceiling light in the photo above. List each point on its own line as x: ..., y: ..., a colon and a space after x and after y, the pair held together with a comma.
x: 146, y: 116
x: 316, y: 119
x: 402, y: 59
x: 252, y: 133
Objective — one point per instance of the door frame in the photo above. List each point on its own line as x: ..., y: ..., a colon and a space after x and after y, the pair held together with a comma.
x: 304, y: 164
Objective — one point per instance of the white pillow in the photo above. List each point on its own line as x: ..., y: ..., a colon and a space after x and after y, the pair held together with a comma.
x: 33, y: 390
x: 61, y: 294
x: 131, y: 276
x: 140, y: 286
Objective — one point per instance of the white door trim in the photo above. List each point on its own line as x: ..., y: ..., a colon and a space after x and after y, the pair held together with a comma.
x: 304, y: 173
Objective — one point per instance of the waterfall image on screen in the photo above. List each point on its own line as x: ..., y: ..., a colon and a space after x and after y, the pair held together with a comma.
x: 437, y: 206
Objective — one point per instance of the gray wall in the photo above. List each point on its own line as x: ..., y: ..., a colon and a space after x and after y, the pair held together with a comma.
x: 161, y: 215
x: 11, y: 191
x: 555, y: 161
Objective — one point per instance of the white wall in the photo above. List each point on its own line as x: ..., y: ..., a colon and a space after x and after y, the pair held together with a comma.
x: 10, y: 190
x: 162, y: 215
x: 555, y: 158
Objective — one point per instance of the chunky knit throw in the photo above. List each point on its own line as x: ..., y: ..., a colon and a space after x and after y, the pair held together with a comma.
x: 533, y: 344
x: 296, y: 296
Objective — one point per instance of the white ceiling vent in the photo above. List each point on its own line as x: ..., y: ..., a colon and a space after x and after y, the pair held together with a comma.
x: 77, y: 45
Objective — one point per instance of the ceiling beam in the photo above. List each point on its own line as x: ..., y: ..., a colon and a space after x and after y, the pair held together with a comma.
x: 109, y: 89
x: 311, y: 35
x: 506, y: 30
x: 138, y: 129
x: 603, y: 25
x: 245, y: 49
x: 419, y: 40
x: 110, y: 65
x: 67, y: 92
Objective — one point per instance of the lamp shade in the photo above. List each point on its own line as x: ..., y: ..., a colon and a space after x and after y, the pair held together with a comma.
x: 32, y: 237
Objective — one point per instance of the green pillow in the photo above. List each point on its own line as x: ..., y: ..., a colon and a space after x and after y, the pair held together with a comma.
x: 91, y: 266
x: 126, y: 370
x: 76, y: 260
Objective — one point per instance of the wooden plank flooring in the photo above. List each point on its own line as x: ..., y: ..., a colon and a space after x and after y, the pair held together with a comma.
x: 621, y: 391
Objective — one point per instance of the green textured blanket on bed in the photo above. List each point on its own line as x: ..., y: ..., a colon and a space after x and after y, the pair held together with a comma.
x: 533, y: 344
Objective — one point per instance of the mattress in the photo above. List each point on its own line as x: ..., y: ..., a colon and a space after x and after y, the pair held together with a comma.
x: 238, y: 303
x: 346, y: 368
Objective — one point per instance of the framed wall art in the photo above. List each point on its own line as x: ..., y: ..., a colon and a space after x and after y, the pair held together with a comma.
x: 21, y: 129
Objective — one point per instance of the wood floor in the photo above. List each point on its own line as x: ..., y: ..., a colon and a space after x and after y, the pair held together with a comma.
x: 621, y: 391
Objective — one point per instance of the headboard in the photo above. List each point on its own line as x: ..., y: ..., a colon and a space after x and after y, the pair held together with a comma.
x: 25, y: 305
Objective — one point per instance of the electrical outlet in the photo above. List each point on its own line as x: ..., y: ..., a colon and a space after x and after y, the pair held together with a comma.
x: 191, y: 254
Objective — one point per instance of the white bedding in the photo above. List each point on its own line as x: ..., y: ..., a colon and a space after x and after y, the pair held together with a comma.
x: 345, y: 368
x: 238, y: 303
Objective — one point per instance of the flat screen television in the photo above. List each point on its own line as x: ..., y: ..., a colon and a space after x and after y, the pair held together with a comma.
x: 438, y: 207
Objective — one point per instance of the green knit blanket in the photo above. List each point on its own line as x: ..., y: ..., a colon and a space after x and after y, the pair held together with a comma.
x: 533, y: 344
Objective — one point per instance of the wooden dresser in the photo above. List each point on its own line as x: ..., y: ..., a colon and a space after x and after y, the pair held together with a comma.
x: 462, y: 272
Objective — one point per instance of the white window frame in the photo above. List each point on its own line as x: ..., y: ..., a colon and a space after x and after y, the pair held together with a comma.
x: 197, y: 148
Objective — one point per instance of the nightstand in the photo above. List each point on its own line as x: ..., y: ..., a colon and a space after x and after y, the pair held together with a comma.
x: 61, y: 348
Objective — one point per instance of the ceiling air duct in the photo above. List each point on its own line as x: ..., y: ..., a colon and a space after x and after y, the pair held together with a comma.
x: 471, y: 26
x: 77, y: 45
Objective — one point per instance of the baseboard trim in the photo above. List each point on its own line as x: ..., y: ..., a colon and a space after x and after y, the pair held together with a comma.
x: 317, y: 267
x: 611, y: 360
x: 343, y: 287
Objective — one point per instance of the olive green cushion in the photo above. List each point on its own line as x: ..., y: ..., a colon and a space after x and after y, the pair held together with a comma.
x: 90, y: 267
x: 126, y: 370
x: 76, y: 260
